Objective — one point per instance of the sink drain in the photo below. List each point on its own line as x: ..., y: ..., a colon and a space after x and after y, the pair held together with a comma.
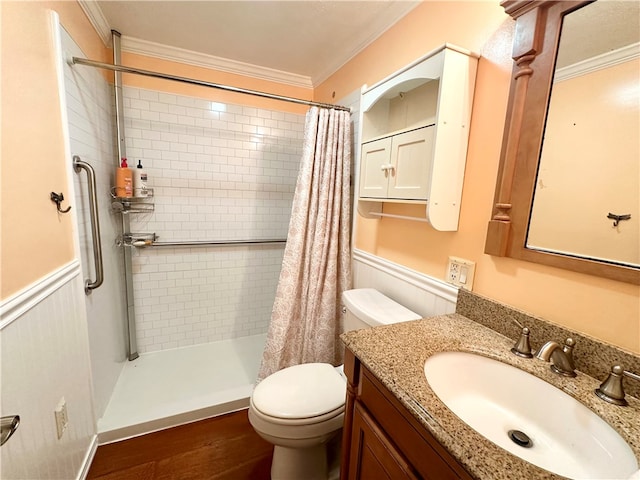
x: 520, y: 438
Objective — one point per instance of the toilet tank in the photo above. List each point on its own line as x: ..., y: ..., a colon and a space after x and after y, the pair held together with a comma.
x: 367, y: 307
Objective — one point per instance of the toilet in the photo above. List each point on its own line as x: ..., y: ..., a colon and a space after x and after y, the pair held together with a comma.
x: 301, y: 408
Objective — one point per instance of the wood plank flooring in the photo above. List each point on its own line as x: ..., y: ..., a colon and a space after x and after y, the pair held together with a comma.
x: 219, y: 448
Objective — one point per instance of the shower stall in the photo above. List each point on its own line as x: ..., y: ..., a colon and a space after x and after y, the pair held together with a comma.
x: 204, y: 250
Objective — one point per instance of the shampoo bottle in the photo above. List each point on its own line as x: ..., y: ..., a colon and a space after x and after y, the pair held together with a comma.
x: 140, y: 181
x: 124, y: 180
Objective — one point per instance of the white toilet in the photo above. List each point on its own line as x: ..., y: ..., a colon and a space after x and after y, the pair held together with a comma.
x: 301, y: 408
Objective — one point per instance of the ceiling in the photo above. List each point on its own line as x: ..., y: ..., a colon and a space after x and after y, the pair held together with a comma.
x: 308, y: 40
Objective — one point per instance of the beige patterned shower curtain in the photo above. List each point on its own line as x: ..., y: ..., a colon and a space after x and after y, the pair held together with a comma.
x: 316, y: 269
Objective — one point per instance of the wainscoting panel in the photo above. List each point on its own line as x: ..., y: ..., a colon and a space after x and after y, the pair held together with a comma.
x: 44, y: 349
x: 421, y: 293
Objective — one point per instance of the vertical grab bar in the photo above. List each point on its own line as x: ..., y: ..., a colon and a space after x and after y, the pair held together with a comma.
x: 95, y: 224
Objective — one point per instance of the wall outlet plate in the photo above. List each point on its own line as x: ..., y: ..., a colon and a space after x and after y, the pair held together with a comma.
x: 460, y: 272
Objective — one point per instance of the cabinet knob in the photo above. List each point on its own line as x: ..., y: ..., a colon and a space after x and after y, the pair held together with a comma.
x: 386, y: 168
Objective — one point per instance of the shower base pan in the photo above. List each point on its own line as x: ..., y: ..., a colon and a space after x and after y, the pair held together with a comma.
x: 163, y: 389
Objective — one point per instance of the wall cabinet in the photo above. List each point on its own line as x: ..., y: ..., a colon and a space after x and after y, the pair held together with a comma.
x: 382, y: 439
x: 414, y: 134
x: 397, y: 167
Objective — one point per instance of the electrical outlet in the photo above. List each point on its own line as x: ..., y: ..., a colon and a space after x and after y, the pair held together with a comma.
x: 453, y: 271
x: 460, y: 272
x: 62, y: 420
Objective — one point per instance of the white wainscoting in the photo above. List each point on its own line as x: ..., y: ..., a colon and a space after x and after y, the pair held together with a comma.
x: 421, y: 293
x: 44, y: 349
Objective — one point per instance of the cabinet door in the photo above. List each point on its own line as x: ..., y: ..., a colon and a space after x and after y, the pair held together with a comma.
x: 375, y: 168
x: 373, y: 456
x: 411, y: 158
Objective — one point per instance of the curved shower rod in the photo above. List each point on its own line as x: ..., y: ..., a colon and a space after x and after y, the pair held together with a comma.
x: 202, y: 83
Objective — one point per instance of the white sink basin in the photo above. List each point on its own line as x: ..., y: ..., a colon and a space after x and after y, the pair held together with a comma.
x: 494, y: 398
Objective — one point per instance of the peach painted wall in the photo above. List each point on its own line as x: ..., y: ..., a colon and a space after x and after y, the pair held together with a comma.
x: 602, y: 308
x: 35, y: 240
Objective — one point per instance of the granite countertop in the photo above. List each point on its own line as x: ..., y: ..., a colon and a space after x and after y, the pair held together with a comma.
x: 396, y: 353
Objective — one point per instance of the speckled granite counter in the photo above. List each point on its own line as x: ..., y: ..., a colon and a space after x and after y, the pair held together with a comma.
x: 395, y: 354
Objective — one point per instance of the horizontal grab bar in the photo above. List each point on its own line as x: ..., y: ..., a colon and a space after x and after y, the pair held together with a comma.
x: 217, y: 243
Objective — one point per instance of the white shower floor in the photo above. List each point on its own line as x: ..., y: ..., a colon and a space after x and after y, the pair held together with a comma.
x: 163, y: 389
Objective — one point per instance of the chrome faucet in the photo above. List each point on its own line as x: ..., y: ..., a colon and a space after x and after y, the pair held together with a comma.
x: 561, y: 357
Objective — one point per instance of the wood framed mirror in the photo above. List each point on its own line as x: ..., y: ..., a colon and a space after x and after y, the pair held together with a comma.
x: 537, y: 40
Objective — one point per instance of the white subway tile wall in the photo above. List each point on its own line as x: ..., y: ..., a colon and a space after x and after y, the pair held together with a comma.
x: 219, y: 172
x: 89, y: 107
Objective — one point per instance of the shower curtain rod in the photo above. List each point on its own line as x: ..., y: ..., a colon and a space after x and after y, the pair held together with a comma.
x: 202, y: 83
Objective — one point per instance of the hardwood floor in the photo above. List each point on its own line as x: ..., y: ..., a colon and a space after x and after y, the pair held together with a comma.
x: 219, y: 448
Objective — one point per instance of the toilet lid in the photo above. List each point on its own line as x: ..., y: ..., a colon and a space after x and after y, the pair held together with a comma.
x: 302, y: 391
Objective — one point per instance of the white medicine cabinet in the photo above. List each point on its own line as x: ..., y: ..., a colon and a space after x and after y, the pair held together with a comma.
x: 414, y: 135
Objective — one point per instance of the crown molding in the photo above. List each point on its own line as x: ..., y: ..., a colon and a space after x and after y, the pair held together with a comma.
x: 94, y: 13
x: 151, y: 49
x: 605, y: 60
x: 175, y: 54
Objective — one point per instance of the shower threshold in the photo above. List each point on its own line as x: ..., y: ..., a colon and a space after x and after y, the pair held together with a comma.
x: 171, y: 387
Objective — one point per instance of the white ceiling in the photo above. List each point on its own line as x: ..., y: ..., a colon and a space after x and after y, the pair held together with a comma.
x: 308, y: 40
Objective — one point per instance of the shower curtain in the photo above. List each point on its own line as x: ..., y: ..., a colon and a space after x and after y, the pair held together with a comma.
x: 316, y: 269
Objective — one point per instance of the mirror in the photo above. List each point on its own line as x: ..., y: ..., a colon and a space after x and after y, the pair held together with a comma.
x: 569, y: 181
x: 587, y: 193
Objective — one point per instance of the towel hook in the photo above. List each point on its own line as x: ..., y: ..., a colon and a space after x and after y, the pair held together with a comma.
x: 58, y: 198
x: 617, y: 218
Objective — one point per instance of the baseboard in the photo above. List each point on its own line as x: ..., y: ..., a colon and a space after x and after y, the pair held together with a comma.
x: 88, y: 459
x: 125, y: 433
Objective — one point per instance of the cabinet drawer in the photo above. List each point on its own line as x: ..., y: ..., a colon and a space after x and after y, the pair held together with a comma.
x: 419, y: 447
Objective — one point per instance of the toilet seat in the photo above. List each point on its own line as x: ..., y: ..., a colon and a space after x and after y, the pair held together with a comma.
x: 297, y: 422
x: 301, y: 394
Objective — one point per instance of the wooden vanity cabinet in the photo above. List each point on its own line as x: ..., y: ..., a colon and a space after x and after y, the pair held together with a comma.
x: 381, y: 438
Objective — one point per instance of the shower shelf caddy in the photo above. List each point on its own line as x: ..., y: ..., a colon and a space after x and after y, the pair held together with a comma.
x: 414, y: 135
x: 136, y: 240
x: 127, y: 205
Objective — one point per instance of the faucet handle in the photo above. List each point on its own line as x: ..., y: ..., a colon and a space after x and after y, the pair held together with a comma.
x: 569, y: 343
x: 611, y: 390
x: 522, y: 348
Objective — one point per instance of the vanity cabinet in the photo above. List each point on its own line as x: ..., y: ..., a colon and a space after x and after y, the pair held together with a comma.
x: 414, y: 134
x: 382, y: 439
x: 397, y: 167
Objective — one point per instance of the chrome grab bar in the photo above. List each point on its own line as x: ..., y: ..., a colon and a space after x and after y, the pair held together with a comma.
x: 95, y: 223
x: 218, y: 243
